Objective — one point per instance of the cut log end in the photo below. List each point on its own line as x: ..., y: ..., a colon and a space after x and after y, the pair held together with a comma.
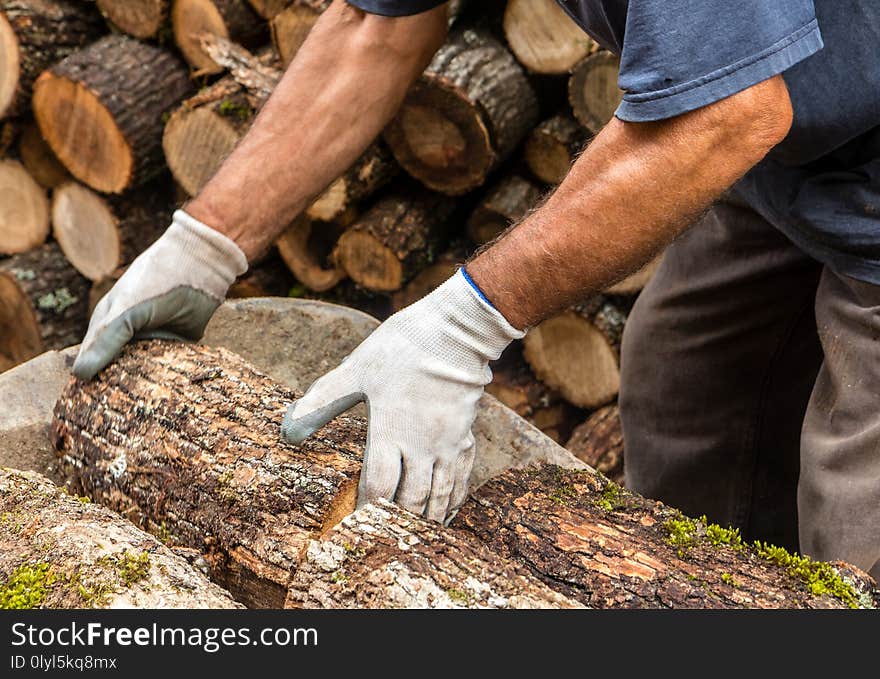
x: 543, y: 37
x: 9, y: 65
x: 291, y: 27
x: 195, y: 143
x: 86, y: 230
x: 19, y: 334
x: 139, y: 18
x: 39, y: 159
x: 369, y: 262
x: 306, y: 249
x: 24, y: 209
x: 593, y: 92
x: 190, y: 19
x: 552, y: 147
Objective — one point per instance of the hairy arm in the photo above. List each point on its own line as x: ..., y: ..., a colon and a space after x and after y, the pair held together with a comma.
x: 630, y: 193
x: 345, y: 84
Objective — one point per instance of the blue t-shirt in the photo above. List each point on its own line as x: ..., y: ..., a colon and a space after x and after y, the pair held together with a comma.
x: 821, y: 185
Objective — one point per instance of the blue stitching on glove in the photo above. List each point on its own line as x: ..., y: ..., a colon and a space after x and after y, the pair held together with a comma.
x: 476, y: 287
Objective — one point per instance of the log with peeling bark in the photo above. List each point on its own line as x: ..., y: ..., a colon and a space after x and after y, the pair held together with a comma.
x: 233, y: 20
x: 186, y: 439
x: 101, y: 110
x: 62, y: 551
x: 508, y: 201
x: 577, y: 352
x: 598, y: 441
x: 43, y: 302
x: 431, y: 277
x: 552, y: 147
x: 395, y: 239
x: 306, y: 247
x: 24, y: 209
x: 543, y: 37
x: 34, y: 34
x: 292, y: 25
x: 593, y: 92
x: 384, y: 557
x: 39, y: 159
x: 139, y: 18
x: 595, y: 542
x: 468, y: 111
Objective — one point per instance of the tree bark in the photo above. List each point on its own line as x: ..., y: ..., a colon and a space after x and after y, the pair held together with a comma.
x: 60, y: 551
x: 233, y: 20
x: 186, y: 439
x: 306, y: 248
x: 139, y: 18
x: 553, y: 146
x: 395, y: 239
x: 508, y: 201
x: 384, y: 557
x: 291, y: 27
x: 597, y: 543
x: 34, y: 34
x: 593, y: 92
x: 24, y: 210
x: 470, y: 109
x: 101, y: 110
x: 38, y: 158
x: 598, y: 441
x: 543, y: 37
x: 43, y: 303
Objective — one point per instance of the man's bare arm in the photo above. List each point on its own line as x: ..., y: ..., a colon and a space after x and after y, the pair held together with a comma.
x: 629, y: 194
x: 346, y: 83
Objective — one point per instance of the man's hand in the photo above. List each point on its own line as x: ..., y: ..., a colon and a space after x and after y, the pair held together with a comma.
x: 171, y: 290
x: 421, y: 374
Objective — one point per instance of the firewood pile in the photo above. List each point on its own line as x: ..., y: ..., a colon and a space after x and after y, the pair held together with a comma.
x: 114, y: 112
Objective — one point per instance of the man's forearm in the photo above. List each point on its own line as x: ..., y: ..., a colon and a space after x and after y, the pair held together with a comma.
x: 629, y: 194
x: 344, y: 86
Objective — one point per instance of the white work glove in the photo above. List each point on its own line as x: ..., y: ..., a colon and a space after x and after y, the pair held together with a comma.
x: 171, y: 291
x: 421, y: 374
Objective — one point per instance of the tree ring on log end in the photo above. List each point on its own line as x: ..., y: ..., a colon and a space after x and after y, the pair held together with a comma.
x: 303, y: 256
x: 9, y: 65
x: 450, y: 149
x: 593, y: 91
x: 20, y: 337
x: 189, y: 20
x: 543, y: 37
x: 369, y: 263
x: 24, y: 209
x: 195, y: 143
x: 549, y: 160
x: 83, y: 133
x: 139, y: 18
x: 86, y: 231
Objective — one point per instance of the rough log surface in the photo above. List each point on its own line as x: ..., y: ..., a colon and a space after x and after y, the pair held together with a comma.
x: 384, y: 557
x: 233, y: 20
x: 60, y: 551
x: 607, y: 548
x: 553, y: 146
x: 185, y: 440
x: 139, y: 18
x: 598, y: 441
x: 508, y: 201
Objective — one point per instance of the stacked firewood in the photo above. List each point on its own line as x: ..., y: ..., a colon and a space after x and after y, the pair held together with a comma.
x: 114, y: 112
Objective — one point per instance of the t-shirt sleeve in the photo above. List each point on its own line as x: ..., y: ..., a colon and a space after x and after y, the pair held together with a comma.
x: 396, y: 8
x: 681, y: 55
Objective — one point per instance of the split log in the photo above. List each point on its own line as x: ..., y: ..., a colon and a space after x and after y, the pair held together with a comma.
x: 468, y: 111
x: 431, y: 277
x: 60, y: 551
x: 508, y: 201
x: 42, y: 304
x: 139, y: 18
x: 599, y: 442
x: 384, y: 557
x: 593, y: 92
x: 269, y: 278
x: 577, y: 352
x: 553, y: 146
x: 291, y: 26
x: 395, y: 239
x: 634, y: 283
x: 185, y: 439
x: 34, y: 34
x: 233, y: 20
x: 306, y: 248
x: 38, y: 158
x: 595, y: 542
x: 24, y: 209
x: 543, y: 37
x: 101, y: 110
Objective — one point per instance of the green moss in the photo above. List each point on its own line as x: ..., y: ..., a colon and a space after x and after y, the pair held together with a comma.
x: 458, y: 596
x: 27, y: 586
x: 339, y: 577
x: 57, y: 301
x: 817, y: 576
x: 563, y: 494
x: 719, y: 536
x: 611, y: 497
x: 85, y: 499
x: 681, y: 532
x: 230, y: 109
x: 298, y: 290
x: 133, y: 567
x: 728, y: 579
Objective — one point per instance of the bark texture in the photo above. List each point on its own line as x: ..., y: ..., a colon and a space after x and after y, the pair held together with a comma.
x: 139, y: 18
x: 598, y: 441
x: 508, y: 201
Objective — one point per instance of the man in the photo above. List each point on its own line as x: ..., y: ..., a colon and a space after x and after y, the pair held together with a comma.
x: 734, y: 117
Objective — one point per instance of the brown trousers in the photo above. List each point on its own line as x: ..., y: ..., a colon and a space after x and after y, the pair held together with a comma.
x: 735, y: 406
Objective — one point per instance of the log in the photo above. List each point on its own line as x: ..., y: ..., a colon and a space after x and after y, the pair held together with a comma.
x: 431, y: 277
x: 543, y: 37
x: 269, y: 278
x: 34, y: 34
x: 508, y: 201
x: 384, y: 557
x: 577, y: 352
x: 593, y: 92
x: 233, y: 20
x: 306, y: 248
x: 43, y: 304
x: 268, y: 8
x: 101, y: 110
x: 24, y: 210
x: 598, y: 441
x: 185, y: 439
x: 635, y: 282
x: 395, y: 239
x: 593, y: 541
x: 468, y: 111
x: 553, y: 146
x: 8, y: 135
x: 139, y: 18
x: 62, y: 551
x: 291, y: 26
x: 38, y: 159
